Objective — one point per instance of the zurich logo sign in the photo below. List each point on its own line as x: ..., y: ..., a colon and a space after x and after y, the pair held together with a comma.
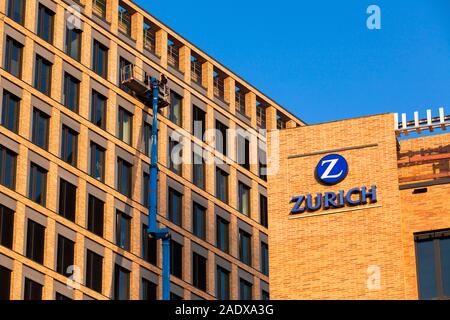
x: 332, y: 169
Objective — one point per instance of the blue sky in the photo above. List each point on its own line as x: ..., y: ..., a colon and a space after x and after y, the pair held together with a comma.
x: 318, y: 59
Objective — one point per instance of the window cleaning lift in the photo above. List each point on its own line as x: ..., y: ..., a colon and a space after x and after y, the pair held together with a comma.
x: 155, y: 94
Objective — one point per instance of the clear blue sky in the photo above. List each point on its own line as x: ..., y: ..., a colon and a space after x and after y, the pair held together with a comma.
x: 318, y: 59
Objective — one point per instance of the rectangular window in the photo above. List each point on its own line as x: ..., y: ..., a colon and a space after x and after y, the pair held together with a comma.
x: 145, y: 189
x: 98, y: 110
x: 147, y: 137
x: 6, y: 227
x: 5, y: 283
x: 35, y: 241
x: 175, y: 108
x: 175, y: 297
x: 433, y: 264
x: 176, y: 259
x: 121, y: 283
x: 243, y: 151
x: 125, y: 69
x: 41, y: 122
x: 222, y: 185
x: 71, y: 92
x: 221, y: 138
x: 73, y: 42
x: 198, y: 122
x: 97, y: 162
x: 43, y: 75
x: 199, y: 271
x: 175, y: 156
x: 125, y: 125
x: 245, y: 290
x: 13, y: 57
x: 69, y: 145
x: 175, y: 207
x: 123, y: 230
x: 45, y: 23
x: 65, y: 257
x: 38, y: 184
x: 32, y: 290
x: 199, y: 221
x: 8, y: 164
x: 223, y: 234
x: 124, y: 171
x: 61, y: 297
x: 199, y: 168
x: 94, y: 271
x: 222, y: 284
x: 262, y: 161
x: 10, y: 112
x: 96, y: 209
x: 16, y: 10
x: 100, y: 59
x: 244, y: 198
x: 99, y: 8
x: 148, y: 290
x: 149, y: 246
x: 265, y: 258
x: 245, y: 247
x: 263, y: 212
x: 265, y: 296
x: 67, y: 200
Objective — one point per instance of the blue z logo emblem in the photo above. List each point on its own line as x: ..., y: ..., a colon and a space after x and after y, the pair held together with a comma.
x: 332, y: 169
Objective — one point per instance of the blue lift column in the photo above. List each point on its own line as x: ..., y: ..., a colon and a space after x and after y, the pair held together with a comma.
x: 158, y: 234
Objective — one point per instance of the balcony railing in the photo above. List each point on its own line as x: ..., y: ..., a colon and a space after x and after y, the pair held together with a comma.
x: 124, y: 22
x: 149, y: 39
x: 240, y: 102
x: 99, y: 8
x: 261, y: 117
x: 196, y: 71
x: 173, y: 56
x: 219, y: 88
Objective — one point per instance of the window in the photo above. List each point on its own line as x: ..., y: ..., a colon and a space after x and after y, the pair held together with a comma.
x: 94, y: 271
x: 198, y: 122
x: 13, y: 57
x: 97, y: 162
x: 123, y: 230
x: 175, y: 297
x: 40, y: 128
x: 222, y: 284
x: 263, y: 213
x: 10, y: 112
x: 281, y: 122
x: 199, y: 271
x: 32, y: 290
x: 125, y: 125
x: 244, y: 198
x: 16, y: 10
x: 243, y: 151
x: 38, y: 184
x: 45, y: 23
x: 265, y: 258
x: 222, y: 185
x: 223, y: 234
x: 199, y: 221
x: 124, y: 66
x: 61, y: 297
x: 65, y: 257
x: 265, y: 296
x: 175, y: 156
x: 67, y: 200
x: 433, y: 264
x: 121, y: 283
x: 8, y: 164
x: 35, y: 241
x: 124, y: 177
x: 176, y: 259
x: 175, y: 207
x: 43, y: 75
x: 6, y: 227
x: 145, y: 189
x: 221, y: 138
x: 99, y: 8
x: 95, y: 215
x: 147, y: 137
x: 73, y: 42
x: 5, y: 283
x: 71, y: 92
x: 100, y: 59
x: 245, y: 290
x: 98, y: 110
x: 149, y: 246
x: 245, y: 247
x: 69, y: 141
x: 148, y: 290
x: 175, y: 108
x: 198, y: 174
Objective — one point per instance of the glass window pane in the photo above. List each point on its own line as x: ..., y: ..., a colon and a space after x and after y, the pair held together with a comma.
x: 444, y: 245
x: 426, y: 267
